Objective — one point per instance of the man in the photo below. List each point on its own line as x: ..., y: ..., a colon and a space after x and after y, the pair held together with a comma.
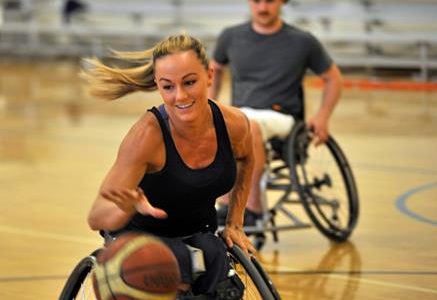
x: 268, y: 59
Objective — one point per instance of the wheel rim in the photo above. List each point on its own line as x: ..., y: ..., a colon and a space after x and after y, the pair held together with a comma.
x: 325, y: 184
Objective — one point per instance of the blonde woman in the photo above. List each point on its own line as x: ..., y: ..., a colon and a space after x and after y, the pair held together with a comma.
x: 176, y: 159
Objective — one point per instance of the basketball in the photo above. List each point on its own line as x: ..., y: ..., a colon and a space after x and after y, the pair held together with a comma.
x: 136, y: 267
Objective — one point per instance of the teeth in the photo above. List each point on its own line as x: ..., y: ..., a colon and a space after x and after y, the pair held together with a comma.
x: 184, y: 106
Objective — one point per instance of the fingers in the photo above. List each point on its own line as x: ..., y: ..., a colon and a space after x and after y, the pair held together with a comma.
x: 248, y: 248
x: 316, y: 140
x: 130, y: 200
x: 251, y: 248
x: 319, y: 134
x: 229, y: 242
x: 320, y: 138
x: 238, y: 237
x: 145, y: 208
x: 119, y: 198
x: 319, y: 128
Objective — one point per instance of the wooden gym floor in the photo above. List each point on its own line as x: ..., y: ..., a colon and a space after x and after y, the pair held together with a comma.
x: 56, y: 144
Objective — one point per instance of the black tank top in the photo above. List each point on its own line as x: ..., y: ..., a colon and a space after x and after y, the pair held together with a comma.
x: 187, y: 195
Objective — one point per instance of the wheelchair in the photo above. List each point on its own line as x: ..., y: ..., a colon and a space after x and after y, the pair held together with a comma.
x: 319, y: 178
x: 257, y: 284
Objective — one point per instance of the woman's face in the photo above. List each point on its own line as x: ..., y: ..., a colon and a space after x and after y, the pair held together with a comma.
x: 183, y: 83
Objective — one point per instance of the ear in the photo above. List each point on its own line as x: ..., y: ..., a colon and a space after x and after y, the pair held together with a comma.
x: 210, y: 75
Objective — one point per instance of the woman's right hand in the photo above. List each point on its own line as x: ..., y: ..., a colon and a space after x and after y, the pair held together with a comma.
x: 129, y: 201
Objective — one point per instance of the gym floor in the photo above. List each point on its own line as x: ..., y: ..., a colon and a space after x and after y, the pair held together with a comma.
x: 56, y: 144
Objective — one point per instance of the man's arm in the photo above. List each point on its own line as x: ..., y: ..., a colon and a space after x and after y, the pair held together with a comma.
x: 332, y: 82
x: 217, y: 79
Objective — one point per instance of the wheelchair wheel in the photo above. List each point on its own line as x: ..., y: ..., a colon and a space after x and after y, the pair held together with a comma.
x: 257, y: 284
x: 325, y: 183
x: 79, y: 285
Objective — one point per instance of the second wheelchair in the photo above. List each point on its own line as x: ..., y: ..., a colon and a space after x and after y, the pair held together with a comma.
x: 319, y: 178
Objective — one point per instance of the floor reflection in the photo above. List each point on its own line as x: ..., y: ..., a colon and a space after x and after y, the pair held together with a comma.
x: 335, y: 275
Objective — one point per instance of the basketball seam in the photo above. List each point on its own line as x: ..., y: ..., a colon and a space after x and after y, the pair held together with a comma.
x: 107, y: 282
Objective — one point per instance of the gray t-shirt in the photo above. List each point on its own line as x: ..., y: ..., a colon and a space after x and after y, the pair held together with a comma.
x: 267, y: 70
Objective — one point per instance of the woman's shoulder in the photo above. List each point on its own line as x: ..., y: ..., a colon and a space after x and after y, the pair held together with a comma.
x: 144, y: 137
x: 236, y: 121
x: 145, y: 126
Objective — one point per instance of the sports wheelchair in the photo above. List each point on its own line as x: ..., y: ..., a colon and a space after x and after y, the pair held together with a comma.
x: 257, y: 284
x: 318, y: 177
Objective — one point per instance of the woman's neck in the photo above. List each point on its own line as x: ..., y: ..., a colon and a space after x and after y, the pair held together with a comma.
x: 195, y: 130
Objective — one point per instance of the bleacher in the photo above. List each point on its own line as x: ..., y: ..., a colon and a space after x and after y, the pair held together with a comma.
x: 393, y: 34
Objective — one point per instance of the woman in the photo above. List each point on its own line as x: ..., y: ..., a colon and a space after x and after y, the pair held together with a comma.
x: 176, y: 159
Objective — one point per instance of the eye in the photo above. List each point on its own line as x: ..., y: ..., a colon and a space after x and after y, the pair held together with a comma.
x: 167, y: 87
x: 190, y: 82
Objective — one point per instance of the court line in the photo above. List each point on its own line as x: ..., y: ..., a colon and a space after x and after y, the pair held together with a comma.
x: 401, y: 203
x: 354, y: 273
x: 48, y: 235
x: 62, y: 138
x: 393, y: 169
x: 32, y: 278
x: 354, y: 278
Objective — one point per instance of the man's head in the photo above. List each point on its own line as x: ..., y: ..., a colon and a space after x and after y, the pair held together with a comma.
x: 266, y: 13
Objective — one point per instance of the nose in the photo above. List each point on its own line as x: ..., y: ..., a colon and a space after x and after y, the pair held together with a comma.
x: 181, y: 94
x: 262, y: 5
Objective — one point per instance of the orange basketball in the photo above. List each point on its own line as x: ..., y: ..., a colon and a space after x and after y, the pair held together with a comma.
x: 135, y: 267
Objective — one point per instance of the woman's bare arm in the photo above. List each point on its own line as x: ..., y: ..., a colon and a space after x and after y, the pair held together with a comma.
x: 239, y: 132
x: 119, y: 196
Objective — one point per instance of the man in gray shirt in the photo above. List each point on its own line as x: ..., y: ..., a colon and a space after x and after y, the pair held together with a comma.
x: 268, y: 59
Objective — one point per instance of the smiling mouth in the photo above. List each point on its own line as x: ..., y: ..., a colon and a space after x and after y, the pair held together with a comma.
x: 184, y: 106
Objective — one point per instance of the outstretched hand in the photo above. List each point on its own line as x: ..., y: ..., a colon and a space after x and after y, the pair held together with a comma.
x: 235, y: 235
x: 129, y: 200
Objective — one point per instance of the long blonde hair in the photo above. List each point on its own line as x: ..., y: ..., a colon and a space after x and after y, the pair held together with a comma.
x: 111, y: 83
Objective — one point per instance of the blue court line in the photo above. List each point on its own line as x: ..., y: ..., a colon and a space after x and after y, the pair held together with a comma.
x: 401, y: 203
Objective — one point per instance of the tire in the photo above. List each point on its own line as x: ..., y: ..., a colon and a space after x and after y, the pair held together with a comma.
x: 325, y: 183
x: 79, y: 283
x: 257, y: 287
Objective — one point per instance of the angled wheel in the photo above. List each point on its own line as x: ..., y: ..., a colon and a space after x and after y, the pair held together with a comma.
x: 324, y: 180
x: 79, y: 283
x: 257, y: 284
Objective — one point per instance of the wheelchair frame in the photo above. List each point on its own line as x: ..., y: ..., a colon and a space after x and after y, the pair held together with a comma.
x: 286, y: 172
x: 79, y: 283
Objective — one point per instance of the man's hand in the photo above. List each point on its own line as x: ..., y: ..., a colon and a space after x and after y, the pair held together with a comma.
x: 319, y: 126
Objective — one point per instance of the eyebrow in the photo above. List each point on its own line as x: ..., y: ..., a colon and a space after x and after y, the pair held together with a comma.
x: 185, y: 76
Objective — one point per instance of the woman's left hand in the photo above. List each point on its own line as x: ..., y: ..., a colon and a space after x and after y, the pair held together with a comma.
x: 233, y: 234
